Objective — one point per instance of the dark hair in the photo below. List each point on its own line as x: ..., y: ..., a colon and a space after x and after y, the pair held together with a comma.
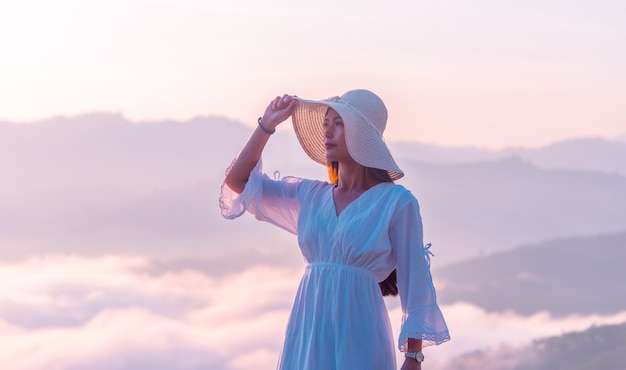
x: 389, y: 286
x: 378, y: 174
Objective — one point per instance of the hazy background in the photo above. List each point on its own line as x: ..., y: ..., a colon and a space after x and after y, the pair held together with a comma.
x: 118, y: 119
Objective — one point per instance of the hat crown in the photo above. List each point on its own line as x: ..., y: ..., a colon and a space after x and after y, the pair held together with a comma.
x: 369, y: 106
x: 364, y: 116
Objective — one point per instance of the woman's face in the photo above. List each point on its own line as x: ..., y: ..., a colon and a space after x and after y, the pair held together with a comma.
x: 335, y: 140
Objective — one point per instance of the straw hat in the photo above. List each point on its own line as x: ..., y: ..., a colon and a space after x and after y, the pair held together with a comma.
x: 364, y: 118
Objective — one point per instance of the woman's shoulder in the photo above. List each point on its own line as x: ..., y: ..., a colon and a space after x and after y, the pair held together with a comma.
x: 401, y: 195
x: 307, y: 186
x: 399, y: 190
x: 305, y: 181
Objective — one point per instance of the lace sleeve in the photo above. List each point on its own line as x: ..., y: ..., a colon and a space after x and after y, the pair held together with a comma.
x: 421, y: 316
x: 232, y: 204
x: 274, y: 201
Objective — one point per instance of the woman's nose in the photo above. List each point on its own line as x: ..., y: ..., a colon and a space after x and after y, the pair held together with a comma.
x: 328, y: 131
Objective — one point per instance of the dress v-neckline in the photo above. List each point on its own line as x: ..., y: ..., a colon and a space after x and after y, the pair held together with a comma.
x: 332, y: 199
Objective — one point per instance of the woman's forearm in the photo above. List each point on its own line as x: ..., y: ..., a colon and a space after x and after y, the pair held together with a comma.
x: 237, y: 177
x: 414, y: 345
x: 276, y: 112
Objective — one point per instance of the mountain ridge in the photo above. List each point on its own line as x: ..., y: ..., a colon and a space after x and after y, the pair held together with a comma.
x: 55, y: 184
x: 563, y: 276
x: 431, y: 153
x: 598, y: 347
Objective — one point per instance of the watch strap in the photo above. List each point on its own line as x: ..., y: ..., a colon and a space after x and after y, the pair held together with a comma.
x: 417, y: 356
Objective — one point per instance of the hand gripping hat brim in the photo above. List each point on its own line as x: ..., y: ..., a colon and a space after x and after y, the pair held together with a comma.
x: 364, y: 118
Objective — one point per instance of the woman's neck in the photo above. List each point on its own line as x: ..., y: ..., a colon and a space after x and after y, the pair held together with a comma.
x: 354, y: 177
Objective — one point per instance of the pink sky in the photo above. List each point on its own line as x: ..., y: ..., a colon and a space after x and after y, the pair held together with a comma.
x: 485, y: 74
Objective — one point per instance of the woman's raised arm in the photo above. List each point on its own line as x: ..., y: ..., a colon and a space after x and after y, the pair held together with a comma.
x: 276, y: 112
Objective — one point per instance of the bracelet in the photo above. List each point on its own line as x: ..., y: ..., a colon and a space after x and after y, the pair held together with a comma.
x: 264, y: 129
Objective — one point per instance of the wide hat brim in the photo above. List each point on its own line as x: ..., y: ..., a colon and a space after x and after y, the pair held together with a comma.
x: 364, y: 139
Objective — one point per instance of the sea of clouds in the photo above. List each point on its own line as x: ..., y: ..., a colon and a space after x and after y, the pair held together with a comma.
x: 114, y: 312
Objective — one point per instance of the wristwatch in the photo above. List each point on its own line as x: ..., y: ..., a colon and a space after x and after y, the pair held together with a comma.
x: 417, y: 356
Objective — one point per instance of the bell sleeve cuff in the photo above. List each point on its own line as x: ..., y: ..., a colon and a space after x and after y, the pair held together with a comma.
x: 232, y: 204
x: 421, y: 316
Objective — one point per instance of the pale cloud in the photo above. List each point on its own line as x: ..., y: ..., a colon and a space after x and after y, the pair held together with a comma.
x: 125, y: 318
x: 114, y: 339
x: 259, y: 359
x: 174, y: 320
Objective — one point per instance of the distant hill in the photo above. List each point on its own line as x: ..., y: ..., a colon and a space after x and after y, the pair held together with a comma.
x: 99, y: 182
x: 589, y: 154
x: 461, y: 222
x: 436, y: 154
x: 580, y: 275
x: 106, y: 154
x: 599, y: 347
x: 592, y: 154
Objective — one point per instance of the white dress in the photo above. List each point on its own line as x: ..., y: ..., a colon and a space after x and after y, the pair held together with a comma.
x: 339, y: 320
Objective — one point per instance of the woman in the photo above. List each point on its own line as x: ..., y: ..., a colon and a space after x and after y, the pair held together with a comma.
x: 358, y: 233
